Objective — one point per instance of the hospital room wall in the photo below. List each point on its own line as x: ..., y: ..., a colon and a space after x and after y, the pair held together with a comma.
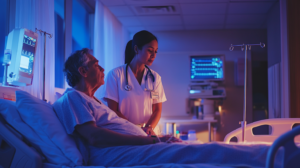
x: 172, y: 63
x: 274, y: 43
x: 274, y: 62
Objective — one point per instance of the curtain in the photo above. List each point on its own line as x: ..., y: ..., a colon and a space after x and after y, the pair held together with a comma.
x: 274, y: 91
x: 110, y: 39
x: 31, y: 14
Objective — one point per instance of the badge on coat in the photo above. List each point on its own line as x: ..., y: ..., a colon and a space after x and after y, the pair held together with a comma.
x: 154, y: 95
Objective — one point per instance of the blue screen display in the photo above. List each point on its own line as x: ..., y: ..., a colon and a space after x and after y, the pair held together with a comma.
x: 27, y: 55
x: 206, y: 68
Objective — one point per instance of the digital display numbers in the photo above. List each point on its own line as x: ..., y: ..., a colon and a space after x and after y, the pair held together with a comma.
x: 27, y: 55
x: 29, y: 41
x: 206, y: 68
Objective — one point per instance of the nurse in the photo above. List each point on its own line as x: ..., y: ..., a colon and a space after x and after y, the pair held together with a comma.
x: 133, y: 90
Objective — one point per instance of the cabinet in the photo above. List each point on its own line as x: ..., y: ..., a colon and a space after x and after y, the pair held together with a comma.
x: 173, y: 122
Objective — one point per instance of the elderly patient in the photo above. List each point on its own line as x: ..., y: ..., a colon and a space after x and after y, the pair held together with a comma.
x: 105, y: 139
x: 81, y: 113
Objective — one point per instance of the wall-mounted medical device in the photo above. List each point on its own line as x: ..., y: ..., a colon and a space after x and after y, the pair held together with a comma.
x: 206, y: 90
x: 206, y: 68
x: 206, y: 72
x: 22, y: 43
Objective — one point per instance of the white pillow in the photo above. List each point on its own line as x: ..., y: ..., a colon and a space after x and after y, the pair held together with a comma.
x: 47, y: 149
x: 41, y: 117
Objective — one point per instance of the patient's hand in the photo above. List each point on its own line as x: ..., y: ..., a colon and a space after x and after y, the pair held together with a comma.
x: 169, y: 139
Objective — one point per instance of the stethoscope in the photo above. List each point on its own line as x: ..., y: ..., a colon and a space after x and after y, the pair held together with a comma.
x: 128, y: 87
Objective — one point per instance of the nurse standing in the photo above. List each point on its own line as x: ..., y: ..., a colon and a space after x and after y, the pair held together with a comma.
x: 134, y: 91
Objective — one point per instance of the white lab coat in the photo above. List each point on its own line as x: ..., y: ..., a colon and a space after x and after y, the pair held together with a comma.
x: 136, y: 104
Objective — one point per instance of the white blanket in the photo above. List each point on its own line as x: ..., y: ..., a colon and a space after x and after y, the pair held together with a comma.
x: 210, y: 154
x: 167, y: 165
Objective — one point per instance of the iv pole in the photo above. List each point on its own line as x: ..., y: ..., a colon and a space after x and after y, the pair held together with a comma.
x: 245, y: 47
x: 44, y: 69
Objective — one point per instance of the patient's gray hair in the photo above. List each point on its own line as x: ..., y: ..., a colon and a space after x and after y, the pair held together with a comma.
x: 76, y: 60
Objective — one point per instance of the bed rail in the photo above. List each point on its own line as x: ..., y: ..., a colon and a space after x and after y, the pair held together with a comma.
x: 279, y: 127
x: 291, y: 151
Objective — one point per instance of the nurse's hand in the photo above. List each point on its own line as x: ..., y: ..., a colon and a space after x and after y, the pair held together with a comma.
x: 169, y: 139
x: 148, y: 130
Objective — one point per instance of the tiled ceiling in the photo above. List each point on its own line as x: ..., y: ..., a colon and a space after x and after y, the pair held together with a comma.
x: 190, y: 14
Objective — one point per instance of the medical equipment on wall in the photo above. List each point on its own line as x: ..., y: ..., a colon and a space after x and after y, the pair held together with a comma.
x: 208, y: 106
x: 6, y: 62
x: 44, y: 58
x: 147, y: 88
x: 205, y: 72
x: 245, y: 47
x: 21, y: 48
x: 202, y: 108
x: 194, y: 107
x: 206, y: 68
x: 206, y: 90
x: 8, y: 93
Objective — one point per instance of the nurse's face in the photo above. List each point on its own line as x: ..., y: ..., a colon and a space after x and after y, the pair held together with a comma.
x: 95, y: 73
x: 148, y: 53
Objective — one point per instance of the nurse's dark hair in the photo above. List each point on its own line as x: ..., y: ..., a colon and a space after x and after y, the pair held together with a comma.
x: 140, y: 39
x: 75, y: 60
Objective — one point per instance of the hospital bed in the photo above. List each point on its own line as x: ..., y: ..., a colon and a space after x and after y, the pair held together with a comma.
x: 21, y: 146
x: 277, y: 127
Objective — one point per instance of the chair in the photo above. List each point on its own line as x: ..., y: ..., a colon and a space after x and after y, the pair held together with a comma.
x: 279, y: 126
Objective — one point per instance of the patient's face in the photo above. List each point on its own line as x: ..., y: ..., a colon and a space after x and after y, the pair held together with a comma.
x: 95, y: 73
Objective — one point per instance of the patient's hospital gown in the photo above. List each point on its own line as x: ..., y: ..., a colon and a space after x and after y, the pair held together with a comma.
x: 75, y: 108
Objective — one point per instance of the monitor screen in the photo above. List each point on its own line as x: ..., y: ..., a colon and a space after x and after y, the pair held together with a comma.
x: 23, y: 44
x: 207, y: 68
x: 27, y: 54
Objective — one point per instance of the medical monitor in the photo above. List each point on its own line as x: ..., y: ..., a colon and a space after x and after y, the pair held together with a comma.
x: 206, y: 68
x: 22, y: 43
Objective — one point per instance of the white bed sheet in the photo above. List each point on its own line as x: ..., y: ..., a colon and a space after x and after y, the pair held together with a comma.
x: 170, y: 165
x: 167, y: 165
x: 210, y: 154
